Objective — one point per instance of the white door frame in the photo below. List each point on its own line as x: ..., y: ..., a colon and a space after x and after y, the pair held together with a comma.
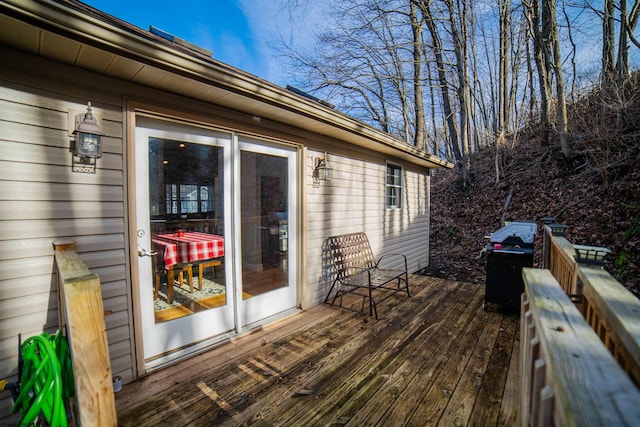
x: 159, y: 339
x: 238, y: 315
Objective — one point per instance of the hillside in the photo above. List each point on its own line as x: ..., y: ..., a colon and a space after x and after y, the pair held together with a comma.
x: 600, y: 204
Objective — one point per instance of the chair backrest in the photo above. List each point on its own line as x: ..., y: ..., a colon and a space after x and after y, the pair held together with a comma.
x: 351, y: 251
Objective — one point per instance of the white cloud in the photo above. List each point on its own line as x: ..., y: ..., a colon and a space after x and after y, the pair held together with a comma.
x: 272, y: 21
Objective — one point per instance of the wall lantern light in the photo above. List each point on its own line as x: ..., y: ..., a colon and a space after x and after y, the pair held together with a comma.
x: 322, y: 170
x: 87, y: 142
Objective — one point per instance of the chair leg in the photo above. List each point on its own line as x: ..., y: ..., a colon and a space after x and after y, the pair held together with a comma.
x: 156, y: 275
x: 204, y: 265
x: 156, y: 289
x: 170, y: 282
x: 189, y: 269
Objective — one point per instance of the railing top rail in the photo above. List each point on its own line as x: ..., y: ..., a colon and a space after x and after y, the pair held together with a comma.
x: 590, y: 386
x: 620, y: 307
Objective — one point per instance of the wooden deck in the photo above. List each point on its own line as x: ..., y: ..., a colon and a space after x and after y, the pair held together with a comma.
x: 436, y: 358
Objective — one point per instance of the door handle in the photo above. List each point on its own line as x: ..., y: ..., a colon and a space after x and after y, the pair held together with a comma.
x: 143, y: 252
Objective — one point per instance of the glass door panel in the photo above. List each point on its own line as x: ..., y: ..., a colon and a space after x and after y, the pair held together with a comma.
x: 264, y: 223
x: 267, y: 201
x: 182, y: 200
x: 186, y: 187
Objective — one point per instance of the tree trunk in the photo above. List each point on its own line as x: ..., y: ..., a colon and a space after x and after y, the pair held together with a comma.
x: 549, y: 10
x: 542, y: 56
x: 416, y: 27
x: 459, y: 35
x: 608, y: 44
x: 505, y: 36
x: 425, y: 8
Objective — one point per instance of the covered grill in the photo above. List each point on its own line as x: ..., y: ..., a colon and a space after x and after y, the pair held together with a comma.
x: 510, y: 248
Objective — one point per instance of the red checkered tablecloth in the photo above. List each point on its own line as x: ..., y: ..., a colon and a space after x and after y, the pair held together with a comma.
x: 189, y: 247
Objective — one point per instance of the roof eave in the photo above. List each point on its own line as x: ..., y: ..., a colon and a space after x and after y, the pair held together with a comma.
x: 102, y: 31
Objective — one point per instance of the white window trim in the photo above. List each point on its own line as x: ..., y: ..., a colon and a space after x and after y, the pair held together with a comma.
x: 398, y: 205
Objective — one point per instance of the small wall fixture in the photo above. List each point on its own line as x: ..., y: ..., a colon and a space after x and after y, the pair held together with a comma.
x: 322, y: 170
x: 87, y: 142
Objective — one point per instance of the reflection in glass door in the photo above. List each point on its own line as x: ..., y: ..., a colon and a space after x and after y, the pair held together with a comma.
x: 267, y: 199
x: 182, y: 200
x: 186, y: 190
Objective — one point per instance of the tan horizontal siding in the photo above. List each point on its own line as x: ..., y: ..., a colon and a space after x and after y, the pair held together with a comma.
x: 80, y: 227
x: 34, y: 153
x: 14, y: 171
x: 14, y: 287
x: 38, y: 210
x: 45, y: 191
x: 27, y: 324
x: 15, y: 307
x: 41, y: 200
x: 355, y: 201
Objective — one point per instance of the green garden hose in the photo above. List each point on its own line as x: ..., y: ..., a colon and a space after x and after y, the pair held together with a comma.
x: 46, y: 382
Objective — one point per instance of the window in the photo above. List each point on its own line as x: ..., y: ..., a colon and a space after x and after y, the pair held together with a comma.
x: 394, y: 187
x: 188, y: 199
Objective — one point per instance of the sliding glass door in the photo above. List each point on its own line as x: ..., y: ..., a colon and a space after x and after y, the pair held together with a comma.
x: 216, y: 244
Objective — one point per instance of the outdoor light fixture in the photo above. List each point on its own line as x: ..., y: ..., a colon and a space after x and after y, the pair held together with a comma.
x: 590, y: 255
x: 322, y: 170
x: 87, y: 142
x: 88, y: 136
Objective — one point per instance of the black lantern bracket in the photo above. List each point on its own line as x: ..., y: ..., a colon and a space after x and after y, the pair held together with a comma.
x: 322, y: 170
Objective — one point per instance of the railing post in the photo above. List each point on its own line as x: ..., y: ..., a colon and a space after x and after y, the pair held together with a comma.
x: 546, y: 240
x: 81, y: 315
x: 61, y: 245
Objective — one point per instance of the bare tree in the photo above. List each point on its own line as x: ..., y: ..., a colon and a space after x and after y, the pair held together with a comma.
x: 549, y: 19
x: 542, y: 57
x: 416, y: 32
x: 437, y: 49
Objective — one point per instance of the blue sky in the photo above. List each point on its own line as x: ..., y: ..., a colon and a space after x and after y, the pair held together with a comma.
x: 238, y: 32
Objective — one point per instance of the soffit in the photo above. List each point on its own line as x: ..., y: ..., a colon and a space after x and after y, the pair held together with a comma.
x: 56, y: 31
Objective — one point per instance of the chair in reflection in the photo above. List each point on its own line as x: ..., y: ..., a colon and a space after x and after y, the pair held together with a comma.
x: 156, y: 275
x: 170, y: 273
x: 181, y: 269
x: 206, y: 264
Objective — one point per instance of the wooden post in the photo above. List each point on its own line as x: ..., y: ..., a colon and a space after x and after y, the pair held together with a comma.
x: 82, y: 317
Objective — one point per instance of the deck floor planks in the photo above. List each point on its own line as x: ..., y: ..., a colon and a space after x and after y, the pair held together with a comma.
x: 510, y: 402
x: 323, y: 368
x: 443, y: 346
x: 291, y: 377
x: 245, y: 379
x: 362, y: 371
x: 155, y: 383
x: 466, y: 390
x: 345, y: 368
x: 319, y: 350
x: 417, y: 354
x: 486, y: 411
x: 455, y: 359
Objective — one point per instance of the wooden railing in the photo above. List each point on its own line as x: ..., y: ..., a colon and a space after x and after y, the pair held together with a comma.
x: 559, y: 258
x: 82, y: 317
x: 609, y: 308
x: 568, y: 377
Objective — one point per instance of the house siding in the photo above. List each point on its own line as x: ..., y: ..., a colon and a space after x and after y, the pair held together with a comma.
x: 355, y: 201
x: 41, y: 200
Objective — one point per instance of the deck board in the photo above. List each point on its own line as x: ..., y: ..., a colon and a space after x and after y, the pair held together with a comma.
x: 434, y: 358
